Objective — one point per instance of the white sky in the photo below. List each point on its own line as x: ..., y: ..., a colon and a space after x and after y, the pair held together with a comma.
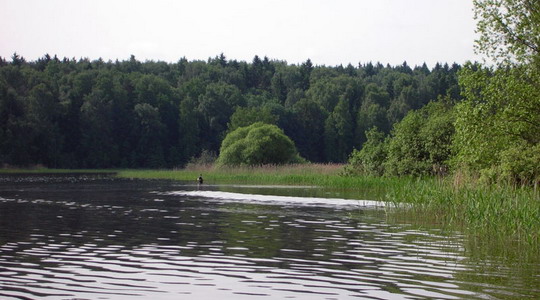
x: 329, y: 32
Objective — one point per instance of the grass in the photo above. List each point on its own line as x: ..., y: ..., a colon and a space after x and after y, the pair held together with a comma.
x: 292, y: 174
x: 323, y: 175
x: 494, y: 212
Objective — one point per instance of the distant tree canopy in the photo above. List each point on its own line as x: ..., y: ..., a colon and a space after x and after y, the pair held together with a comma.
x: 69, y: 113
x: 258, y: 144
x: 418, y: 145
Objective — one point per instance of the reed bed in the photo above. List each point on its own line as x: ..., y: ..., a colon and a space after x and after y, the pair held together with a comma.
x: 323, y: 175
x: 268, y: 174
x: 504, y: 213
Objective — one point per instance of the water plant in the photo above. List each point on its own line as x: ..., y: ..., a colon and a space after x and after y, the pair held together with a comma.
x: 501, y: 212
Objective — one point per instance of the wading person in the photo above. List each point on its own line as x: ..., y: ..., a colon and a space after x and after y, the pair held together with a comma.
x: 200, y: 179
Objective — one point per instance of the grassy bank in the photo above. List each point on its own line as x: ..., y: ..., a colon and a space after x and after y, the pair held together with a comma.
x: 303, y: 174
x: 324, y: 175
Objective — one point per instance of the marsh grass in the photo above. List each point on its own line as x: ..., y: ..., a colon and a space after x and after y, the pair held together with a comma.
x: 323, y: 175
x: 268, y: 174
x: 488, y: 213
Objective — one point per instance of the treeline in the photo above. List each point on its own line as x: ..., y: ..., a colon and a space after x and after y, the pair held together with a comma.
x: 491, y: 136
x: 69, y: 113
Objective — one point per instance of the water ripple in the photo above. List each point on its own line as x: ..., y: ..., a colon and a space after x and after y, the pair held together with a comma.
x: 217, y: 245
x: 148, y: 270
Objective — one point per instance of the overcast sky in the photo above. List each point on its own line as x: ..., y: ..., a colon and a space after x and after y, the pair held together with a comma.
x: 329, y: 32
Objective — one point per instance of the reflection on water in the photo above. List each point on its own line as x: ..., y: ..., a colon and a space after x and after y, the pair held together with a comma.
x: 280, y: 200
x: 91, y: 237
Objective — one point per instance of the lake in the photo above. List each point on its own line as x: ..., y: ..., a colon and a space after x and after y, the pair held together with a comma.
x: 100, y: 237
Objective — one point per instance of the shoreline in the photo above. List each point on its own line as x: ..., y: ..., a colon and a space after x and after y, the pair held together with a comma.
x: 497, y: 212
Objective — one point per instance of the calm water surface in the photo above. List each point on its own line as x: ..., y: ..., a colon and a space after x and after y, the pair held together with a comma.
x: 92, y: 237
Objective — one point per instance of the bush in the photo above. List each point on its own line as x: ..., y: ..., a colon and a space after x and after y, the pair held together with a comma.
x: 369, y: 160
x: 421, y: 143
x: 205, y: 159
x: 519, y: 165
x: 498, y: 124
x: 258, y: 144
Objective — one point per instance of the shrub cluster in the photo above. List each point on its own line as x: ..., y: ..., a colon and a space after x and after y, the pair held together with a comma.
x: 258, y: 144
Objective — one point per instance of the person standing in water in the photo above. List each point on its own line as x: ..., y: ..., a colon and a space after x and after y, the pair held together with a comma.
x: 200, y: 179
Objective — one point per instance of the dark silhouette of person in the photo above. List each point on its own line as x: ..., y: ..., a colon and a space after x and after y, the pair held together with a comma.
x: 200, y: 179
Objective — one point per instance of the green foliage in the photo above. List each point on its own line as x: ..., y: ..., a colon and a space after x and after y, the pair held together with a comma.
x: 257, y: 144
x: 421, y: 143
x: 189, y: 129
x: 502, y: 110
x: 509, y: 30
x: 370, y: 115
x: 522, y: 164
x: 89, y: 114
x: 370, y: 160
x: 437, y: 133
x: 216, y: 106
x: 309, y: 130
x: 245, y: 116
x: 500, y: 119
x: 407, y: 154
x: 494, y: 132
x: 149, y: 151
x: 338, y: 132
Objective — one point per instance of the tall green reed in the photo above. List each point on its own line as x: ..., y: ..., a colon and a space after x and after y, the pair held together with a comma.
x: 495, y: 212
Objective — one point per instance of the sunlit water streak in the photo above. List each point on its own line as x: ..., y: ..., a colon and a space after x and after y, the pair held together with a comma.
x: 281, y: 200
x: 98, y: 238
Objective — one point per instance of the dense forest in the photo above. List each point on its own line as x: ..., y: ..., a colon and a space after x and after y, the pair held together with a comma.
x: 475, y: 121
x: 78, y: 113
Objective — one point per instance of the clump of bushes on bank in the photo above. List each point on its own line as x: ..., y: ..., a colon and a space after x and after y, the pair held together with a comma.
x: 419, y: 145
x: 258, y: 144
